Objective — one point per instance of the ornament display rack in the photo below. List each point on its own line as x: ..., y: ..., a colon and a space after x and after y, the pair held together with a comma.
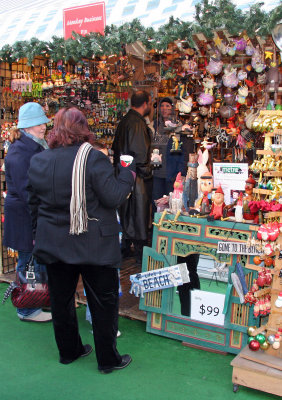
x: 262, y: 369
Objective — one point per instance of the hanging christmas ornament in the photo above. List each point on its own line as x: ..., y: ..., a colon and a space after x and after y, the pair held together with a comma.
x: 240, y: 44
x: 215, y: 66
x: 249, y: 50
x: 229, y: 78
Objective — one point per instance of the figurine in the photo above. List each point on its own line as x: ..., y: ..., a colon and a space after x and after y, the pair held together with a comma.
x: 203, y: 203
x: 190, y: 191
x: 217, y: 205
x: 156, y: 158
x: 248, y: 196
x: 208, y: 84
x: 184, y: 105
x: 176, y: 145
x: 175, y: 197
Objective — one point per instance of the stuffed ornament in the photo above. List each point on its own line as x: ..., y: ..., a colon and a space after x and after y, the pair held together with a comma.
x: 240, y: 44
x: 205, y: 99
x: 215, y: 66
x: 230, y: 78
x: 249, y: 50
x: 184, y: 105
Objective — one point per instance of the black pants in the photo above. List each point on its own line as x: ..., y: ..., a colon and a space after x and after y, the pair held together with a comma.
x: 185, y: 290
x: 101, y: 287
x: 138, y: 247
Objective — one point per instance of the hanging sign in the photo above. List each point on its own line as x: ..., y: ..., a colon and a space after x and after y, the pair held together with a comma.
x: 231, y: 177
x: 237, y: 248
x: 84, y: 19
x: 207, y: 307
x: 159, y: 279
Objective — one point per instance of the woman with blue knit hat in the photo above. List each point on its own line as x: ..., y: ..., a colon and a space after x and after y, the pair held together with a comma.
x: 17, y: 223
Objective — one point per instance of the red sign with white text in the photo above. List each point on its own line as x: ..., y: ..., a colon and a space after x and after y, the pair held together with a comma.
x: 84, y: 19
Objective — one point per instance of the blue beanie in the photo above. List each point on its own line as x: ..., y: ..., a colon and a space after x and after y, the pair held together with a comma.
x: 31, y: 114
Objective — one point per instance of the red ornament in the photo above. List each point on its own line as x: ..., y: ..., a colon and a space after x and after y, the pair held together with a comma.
x: 268, y: 261
x: 254, y: 345
x: 261, y: 278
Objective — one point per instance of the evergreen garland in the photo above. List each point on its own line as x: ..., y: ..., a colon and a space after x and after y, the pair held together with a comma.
x: 211, y: 15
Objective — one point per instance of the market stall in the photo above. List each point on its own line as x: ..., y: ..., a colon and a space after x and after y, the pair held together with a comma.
x: 225, y: 93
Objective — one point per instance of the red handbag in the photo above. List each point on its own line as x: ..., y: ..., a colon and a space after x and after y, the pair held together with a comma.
x: 30, y: 290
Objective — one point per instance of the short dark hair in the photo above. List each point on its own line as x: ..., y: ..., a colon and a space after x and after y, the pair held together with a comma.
x: 140, y: 97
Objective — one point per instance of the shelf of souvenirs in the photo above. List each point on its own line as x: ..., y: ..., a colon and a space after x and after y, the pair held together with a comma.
x: 273, y: 173
x: 258, y: 268
x: 269, y: 153
x: 262, y: 191
x: 274, y: 133
x: 270, y: 113
x: 273, y: 214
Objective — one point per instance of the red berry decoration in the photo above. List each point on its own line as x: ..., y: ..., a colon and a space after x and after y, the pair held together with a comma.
x: 268, y: 261
x: 254, y: 345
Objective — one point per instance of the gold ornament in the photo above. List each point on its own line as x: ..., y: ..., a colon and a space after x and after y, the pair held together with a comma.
x: 251, y: 330
x: 264, y: 345
x: 268, y: 54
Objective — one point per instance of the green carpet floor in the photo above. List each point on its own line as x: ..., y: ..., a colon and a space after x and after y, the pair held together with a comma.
x: 162, y: 369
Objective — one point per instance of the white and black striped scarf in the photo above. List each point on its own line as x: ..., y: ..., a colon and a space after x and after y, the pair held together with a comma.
x: 78, y: 212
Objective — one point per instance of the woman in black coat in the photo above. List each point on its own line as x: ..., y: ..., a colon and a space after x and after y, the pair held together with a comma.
x: 77, y: 233
x: 17, y: 222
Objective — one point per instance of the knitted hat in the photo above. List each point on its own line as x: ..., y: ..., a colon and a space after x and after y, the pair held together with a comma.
x: 31, y: 114
x: 219, y: 190
x: 166, y: 100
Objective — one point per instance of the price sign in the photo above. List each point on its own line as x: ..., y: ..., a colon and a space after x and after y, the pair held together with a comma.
x: 207, y: 307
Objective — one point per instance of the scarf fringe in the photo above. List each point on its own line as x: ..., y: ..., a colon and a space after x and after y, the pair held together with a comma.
x: 78, y: 212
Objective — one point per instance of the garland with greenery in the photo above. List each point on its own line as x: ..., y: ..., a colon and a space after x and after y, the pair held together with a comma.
x: 211, y: 15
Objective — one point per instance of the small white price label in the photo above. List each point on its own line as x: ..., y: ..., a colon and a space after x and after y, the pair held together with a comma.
x: 207, y: 307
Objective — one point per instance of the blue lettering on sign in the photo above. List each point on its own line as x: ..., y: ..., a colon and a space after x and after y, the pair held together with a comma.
x: 155, y: 280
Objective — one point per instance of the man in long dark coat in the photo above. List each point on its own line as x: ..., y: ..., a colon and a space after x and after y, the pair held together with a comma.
x: 133, y: 137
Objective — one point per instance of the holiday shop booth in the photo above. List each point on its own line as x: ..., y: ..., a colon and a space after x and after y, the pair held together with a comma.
x: 225, y: 88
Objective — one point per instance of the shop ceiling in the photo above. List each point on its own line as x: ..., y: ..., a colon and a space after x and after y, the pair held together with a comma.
x: 22, y: 20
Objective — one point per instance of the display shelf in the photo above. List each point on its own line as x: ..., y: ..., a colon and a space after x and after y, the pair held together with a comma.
x: 273, y: 214
x: 269, y: 153
x: 274, y: 133
x: 262, y: 191
x: 270, y: 113
x: 273, y: 173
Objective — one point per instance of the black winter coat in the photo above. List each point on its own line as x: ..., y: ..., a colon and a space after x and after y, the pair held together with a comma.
x: 133, y: 137
x: 17, y: 219
x: 50, y: 178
